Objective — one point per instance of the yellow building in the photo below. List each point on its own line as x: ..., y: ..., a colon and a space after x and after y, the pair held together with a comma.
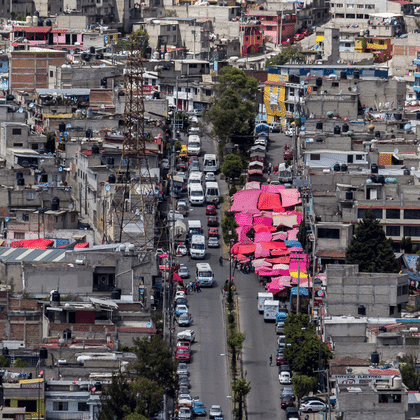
x: 274, y: 95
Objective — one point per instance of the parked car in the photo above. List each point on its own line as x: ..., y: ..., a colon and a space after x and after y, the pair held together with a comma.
x: 281, y: 341
x: 313, y: 406
x: 181, y: 309
x: 185, y: 399
x: 185, y: 413
x: 287, y: 390
x: 185, y: 320
x: 180, y: 294
x: 213, y: 232
x: 182, y: 369
x: 198, y: 408
x: 213, y: 242
x: 181, y: 301
x: 182, y: 207
x: 292, y: 413
x: 284, y: 368
x: 284, y: 378
x: 181, y: 250
x: 306, y: 399
x: 280, y: 359
x: 286, y: 401
x: 183, y: 271
x: 184, y: 381
x: 183, y: 343
x: 212, y: 221
x: 186, y: 335
x: 279, y: 326
x: 165, y: 164
x: 183, y: 354
x: 210, y: 210
x: 215, y: 411
x: 298, y: 37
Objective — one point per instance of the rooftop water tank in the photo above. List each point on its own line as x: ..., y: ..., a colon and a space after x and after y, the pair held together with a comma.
x: 374, y: 358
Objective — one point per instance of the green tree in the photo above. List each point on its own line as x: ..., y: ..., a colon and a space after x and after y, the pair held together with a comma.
x: 117, y: 399
x: 302, y: 385
x: 370, y: 249
x: 149, y: 396
x: 49, y: 145
x: 136, y: 416
x: 234, y: 105
x: 232, y: 191
x: 154, y: 362
x: 19, y: 363
x: 229, y: 225
x: 241, y: 389
x: 410, y: 378
x: 235, y: 341
x: 232, y: 166
x: 407, y: 245
x: 4, y: 361
x: 290, y: 54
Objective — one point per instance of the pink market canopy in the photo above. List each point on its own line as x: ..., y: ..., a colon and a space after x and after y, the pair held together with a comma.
x: 264, y: 228
x: 272, y: 188
x: 279, y: 252
x: 290, y: 197
x: 243, y: 239
x: 243, y: 249
x: 262, y: 236
x: 304, y: 282
x: 292, y: 234
x: 263, y: 220
x: 287, y: 220
x: 243, y: 219
x: 269, y: 201
x: 246, y: 201
x: 252, y: 185
x: 278, y: 260
x: 261, y: 262
x: 279, y: 236
x: 277, y: 284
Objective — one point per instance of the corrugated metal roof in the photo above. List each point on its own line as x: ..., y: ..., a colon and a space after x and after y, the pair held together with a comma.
x: 413, y: 398
x: 63, y: 91
x: 17, y: 255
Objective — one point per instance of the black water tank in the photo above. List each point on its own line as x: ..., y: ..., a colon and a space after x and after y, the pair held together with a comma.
x: 337, y: 129
x: 95, y: 149
x: 111, y: 179
x: 55, y: 296
x: 377, y: 134
x: 116, y: 294
x: 36, y: 13
x: 19, y: 175
x: 48, y: 22
x: 67, y: 334
x: 89, y: 133
x: 61, y: 127
x: 337, y: 167
x: 374, y: 179
x: 356, y: 74
x: 55, y: 205
x: 98, y: 386
x: 374, y: 168
x: 319, y: 125
x: 110, y: 161
x: 20, y: 181
x: 361, y: 310
x: 343, y: 74
x: 43, y: 353
x: 398, y: 116
x: 104, y: 82
x: 374, y: 358
x: 406, y: 172
x: 381, y: 179
x: 382, y: 329
x: 319, y: 140
x: 85, y: 56
x: 318, y: 81
x: 99, y: 56
x: 156, y: 95
x: 40, y: 22
x: 294, y: 78
x: 345, y: 128
x: 12, y: 98
x: 92, y: 50
x: 349, y: 195
x: 318, y: 57
x: 343, y: 167
x: 418, y: 116
x: 5, y: 351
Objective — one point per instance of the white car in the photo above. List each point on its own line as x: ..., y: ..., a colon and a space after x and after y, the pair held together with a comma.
x: 215, y: 411
x: 181, y: 250
x: 210, y: 176
x: 313, y: 406
x: 213, y: 242
x: 194, y: 119
x: 174, y: 215
x: 185, y: 320
x: 182, y: 369
x: 284, y: 378
x: 180, y: 294
x: 183, y: 271
x: 185, y: 413
x: 185, y: 399
x: 188, y: 335
x: 165, y: 164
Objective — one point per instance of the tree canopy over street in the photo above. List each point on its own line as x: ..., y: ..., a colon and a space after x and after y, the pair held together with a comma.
x: 234, y: 105
x: 370, y: 248
x: 290, y: 54
x: 232, y: 166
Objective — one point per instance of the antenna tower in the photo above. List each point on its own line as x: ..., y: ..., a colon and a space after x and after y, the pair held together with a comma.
x: 133, y: 198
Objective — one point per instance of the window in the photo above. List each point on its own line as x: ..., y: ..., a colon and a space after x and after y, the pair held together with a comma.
x: 369, y: 6
x: 60, y: 406
x: 348, y: 45
x: 376, y: 212
x: 31, y: 195
x: 339, y: 5
x: 18, y: 235
x: 34, y: 146
x: 331, y: 4
x: 360, y: 6
x: 359, y: 16
x: 393, y: 230
x: 326, y: 233
x: 51, y: 73
x: 334, y: 84
x: 16, y: 131
x: 82, y: 406
x: 350, y: 15
x: 17, y: 144
x: 208, y: 92
x: 412, y: 214
x: 350, y: 6
x: 412, y: 231
x: 269, y: 28
x: 393, y: 213
x: 174, y: 38
x: 30, y: 405
x: 389, y: 398
x: 315, y: 156
x: 391, y: 310
x: 358, y: 157
x: 73, y: 218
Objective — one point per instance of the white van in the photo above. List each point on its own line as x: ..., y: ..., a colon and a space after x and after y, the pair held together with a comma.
x: 194, y: 145
x: 198, y: 246
x: 212, y: 191
x: 195, y: 177
x: 271, y: 307
x: 194, y: 227
x: 204, y: 274
x: 196, y: 194
x: 210, y: 163
x: 262, y: 297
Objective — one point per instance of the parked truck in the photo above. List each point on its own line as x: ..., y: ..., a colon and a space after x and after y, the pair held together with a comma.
x: 262, y: 297
x: 271, y: 307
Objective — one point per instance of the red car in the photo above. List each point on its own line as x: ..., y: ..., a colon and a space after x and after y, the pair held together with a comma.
x: 214, y: 232
x: 308, y: 32
x: 289, y: 41
x: 183, y: 354
x: 210, y: 210
x: 298, y: 37
x: 287, y: 401
x: 192, y: 158
x: 280, y: 359
x: 212, y: 221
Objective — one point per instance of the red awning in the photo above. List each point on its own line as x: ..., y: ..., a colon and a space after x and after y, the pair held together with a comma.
x: 32, y: 29
x: 40, y: 243
x: 82, y: 245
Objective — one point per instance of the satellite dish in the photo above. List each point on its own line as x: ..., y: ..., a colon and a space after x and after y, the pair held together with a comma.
x: 149, y: 325
x: 102, y: 106
x: 103, y: 65
x: 355, y: 89
x: 302, y: 83
x: 6, y: 219
x: 68, y: 125
x: 31, y: 105
x: 338, y: 61
x: 20, y: 110
x: 396, y: 150
x: 107, y: 188
x: 302, y: 128
x: 60, y: 169
x: 341, y: 92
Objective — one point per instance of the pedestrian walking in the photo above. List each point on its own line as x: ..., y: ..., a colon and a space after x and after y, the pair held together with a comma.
x: 198, y: 287
x: 221, y: 261
x: 194, y: 285
x: 271, y: 359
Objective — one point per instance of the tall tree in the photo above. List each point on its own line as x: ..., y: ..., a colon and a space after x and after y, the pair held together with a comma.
x: 154, y: 362
x: 234, y: 105
x: 302, y: 385
x: 149, y: 396
x: 241, y: 388
x: 370, y: 249
x: 232, y: 166
x: 290, y: 54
